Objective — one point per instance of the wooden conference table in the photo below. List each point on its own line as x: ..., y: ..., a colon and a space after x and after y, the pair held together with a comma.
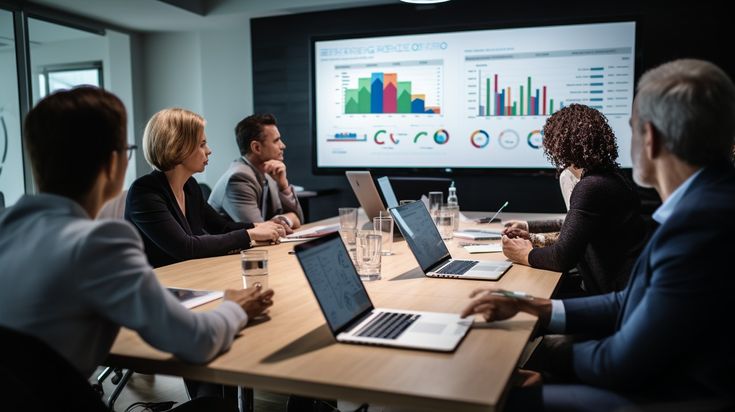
x: 294, y: 352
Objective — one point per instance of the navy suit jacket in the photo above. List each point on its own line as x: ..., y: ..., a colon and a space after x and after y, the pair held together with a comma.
x: 665, y: 335
x: 171, y: 237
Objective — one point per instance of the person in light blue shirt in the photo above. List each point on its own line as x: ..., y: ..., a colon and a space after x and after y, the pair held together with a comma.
x: 664, y: 337
x: 73, y: 281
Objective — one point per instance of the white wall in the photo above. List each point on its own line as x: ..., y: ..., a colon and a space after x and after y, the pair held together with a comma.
x: 227, y: 81
x: 208, y: 72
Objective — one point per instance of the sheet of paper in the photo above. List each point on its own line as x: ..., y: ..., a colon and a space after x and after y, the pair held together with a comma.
x: 491, y: 248
x: 192, y: 298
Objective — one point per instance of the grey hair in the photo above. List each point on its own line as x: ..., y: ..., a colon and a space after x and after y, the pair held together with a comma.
x: 691, y: 103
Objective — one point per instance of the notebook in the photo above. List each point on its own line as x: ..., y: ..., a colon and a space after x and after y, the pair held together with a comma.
x: 350, y: 314
x: 192, y: 298
x: 422, y: 236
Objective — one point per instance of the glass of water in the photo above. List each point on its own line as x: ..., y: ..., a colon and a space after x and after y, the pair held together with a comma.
x: 435, y: 201
x: 383, y: 225
x: 254, y: 268
x: 347, y: 218
x: 445, y: 223
x: 369, y: 253
x: 349, y: 237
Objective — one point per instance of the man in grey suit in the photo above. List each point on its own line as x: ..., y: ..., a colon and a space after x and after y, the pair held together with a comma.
x: 255, y: 187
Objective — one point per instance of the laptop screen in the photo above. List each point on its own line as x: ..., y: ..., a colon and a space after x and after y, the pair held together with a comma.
x: 332, y: 276
x: 388, y: 195
x: 421, y: 234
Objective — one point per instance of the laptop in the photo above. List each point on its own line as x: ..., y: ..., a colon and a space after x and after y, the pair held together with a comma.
x: 422, y: 236
x: 388, y: 195
x: 366, y: 193
x: 351, y: 316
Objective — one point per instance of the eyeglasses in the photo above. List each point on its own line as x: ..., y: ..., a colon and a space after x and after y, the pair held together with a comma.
x: 131, y: 148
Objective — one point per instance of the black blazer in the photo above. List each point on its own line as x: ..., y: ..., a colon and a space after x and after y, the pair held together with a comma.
x: 602, y: 235
x: 171, y: 237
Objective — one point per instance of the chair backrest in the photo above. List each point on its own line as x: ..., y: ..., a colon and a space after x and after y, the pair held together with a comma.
x: 2, y: 201
x: 114, y: 208
x: 35, y: 377
x: 412, y: 188
x: 206, y: 190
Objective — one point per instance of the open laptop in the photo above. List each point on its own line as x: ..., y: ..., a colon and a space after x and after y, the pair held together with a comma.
x: 388, y: 195
x: 424, y: 240
x: 351, y: 316
x: 366, y: 193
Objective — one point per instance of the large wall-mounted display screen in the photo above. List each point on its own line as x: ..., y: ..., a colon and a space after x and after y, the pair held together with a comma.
x: 468, y: 99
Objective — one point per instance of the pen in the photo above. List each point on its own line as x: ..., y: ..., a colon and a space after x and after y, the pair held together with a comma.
x: 486, y: 220
x: 512, y: 294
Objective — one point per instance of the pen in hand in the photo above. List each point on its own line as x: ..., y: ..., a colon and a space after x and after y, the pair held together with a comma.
x: 511, y: 294
x: 490, y: 220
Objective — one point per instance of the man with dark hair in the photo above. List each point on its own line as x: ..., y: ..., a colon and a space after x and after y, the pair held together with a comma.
x: 661, y: 339
x: 73, y: 281
x: 255, y: 187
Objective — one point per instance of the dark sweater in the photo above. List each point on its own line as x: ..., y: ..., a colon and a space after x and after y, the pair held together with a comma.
x: 171, y: 237
x: 602, y: 235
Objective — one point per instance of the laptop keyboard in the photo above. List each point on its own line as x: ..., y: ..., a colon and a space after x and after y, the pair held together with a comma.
x: 388, y: 325
x: 458, y: 267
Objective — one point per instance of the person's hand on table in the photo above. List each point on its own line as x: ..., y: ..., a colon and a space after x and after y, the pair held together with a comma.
x: 283, y: 221
x: 492, y: 306
x: 516, y: 224
x: 517, y: 249
x: 513, y: 233
x: 267, y: 231
x: 252, y: 300
x: 496, y: 304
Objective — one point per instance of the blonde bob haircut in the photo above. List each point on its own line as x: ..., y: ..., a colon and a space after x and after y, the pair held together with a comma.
x: 171, y: 136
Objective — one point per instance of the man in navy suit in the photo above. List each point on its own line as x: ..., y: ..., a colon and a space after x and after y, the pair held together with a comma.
x: 664, y: 337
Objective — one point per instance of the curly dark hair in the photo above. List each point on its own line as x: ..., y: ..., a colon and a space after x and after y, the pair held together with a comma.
x: 580, y: 135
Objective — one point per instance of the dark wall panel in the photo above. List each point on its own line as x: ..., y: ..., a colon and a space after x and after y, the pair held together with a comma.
x: 281, y: 74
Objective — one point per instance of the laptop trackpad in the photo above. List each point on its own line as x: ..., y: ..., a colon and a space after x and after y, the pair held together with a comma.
x: 428, y: 327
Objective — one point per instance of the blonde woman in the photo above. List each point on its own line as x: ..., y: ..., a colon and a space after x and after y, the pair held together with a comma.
x: 167, y: 205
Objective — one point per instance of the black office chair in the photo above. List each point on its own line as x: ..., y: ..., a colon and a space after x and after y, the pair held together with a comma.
x: 24, y: 387
x: 2, y: 201
x: 412, y: 188
x: 206, y: 190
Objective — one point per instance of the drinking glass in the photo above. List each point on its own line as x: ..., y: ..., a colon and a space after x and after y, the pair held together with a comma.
x: 383, y: 225
x: 369, y: 254
x: 254, y: 268
x: 435, y: 201
x: 445, y: 223
x: 347, y: 218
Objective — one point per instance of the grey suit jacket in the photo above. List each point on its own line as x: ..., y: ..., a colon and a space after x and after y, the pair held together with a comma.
x: 239, y: 191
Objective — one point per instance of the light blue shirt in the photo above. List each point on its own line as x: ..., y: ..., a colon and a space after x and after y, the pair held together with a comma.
x: 73, y: 282
x: 558, y: 320
x: 667, y: 208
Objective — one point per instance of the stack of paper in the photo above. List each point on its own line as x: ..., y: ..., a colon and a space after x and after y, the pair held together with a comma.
x: 316, y: 231
x: 478, y: 234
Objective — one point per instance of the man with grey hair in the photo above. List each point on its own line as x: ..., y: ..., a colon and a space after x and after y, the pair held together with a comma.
x: 661, y: 339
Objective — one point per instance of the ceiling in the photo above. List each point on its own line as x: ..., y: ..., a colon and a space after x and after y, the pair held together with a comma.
x: 163, y: 15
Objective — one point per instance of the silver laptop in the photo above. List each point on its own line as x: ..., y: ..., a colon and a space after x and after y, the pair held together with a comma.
x: 350, y: 314
x: 388, y: 195
x: 366, y: 193
x: 422, y: 236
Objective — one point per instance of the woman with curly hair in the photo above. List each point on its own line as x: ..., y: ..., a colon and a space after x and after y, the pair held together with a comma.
x: 603, y: 232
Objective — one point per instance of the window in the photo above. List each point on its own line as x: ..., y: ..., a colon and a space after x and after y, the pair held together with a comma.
x: 66, y: 76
